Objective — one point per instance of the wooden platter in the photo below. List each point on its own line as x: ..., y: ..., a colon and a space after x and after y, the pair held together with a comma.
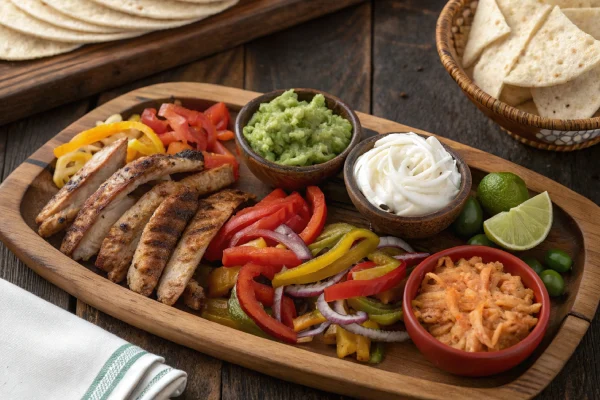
x: 404, y: 372
x: 28, y: 87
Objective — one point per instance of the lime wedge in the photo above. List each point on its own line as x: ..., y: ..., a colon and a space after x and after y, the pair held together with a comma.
x: 522, y: 227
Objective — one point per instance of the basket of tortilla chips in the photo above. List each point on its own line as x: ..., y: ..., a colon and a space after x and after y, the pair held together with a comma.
x: 532, y: 66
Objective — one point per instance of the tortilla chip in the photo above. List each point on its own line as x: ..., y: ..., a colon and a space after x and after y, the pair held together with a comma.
x: 167, y: 9
x: 558, y: 53
x: 586, y: 19
x: 514, y: 95
x: 16, y: 46
x: 579, y: 98
x: 528, y: 107
x: 497, y: 60
x: 488, y: 26
x: 13, y: 18
x: 568, y: 3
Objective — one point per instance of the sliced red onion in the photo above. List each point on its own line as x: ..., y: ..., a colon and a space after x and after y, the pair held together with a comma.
x: 337, y: 317
x: 377, y: 335
x: 314, y: 289
x: 296, y: 244
x: 314, y: 332
x: 289, y: 232
x: 412, y: 257
x: 278, y: 300
x: 392, y: 241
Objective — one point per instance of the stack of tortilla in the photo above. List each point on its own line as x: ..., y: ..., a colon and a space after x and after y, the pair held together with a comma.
x: 540, y: 56
x: 32, y: 29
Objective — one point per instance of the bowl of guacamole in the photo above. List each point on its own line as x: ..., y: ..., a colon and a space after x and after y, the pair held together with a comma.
x: 297, y: 137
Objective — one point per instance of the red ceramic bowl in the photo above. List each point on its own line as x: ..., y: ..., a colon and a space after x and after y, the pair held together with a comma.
x: 475, y: 364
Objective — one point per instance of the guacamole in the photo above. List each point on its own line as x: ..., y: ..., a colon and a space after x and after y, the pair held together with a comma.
x: 291, y: 132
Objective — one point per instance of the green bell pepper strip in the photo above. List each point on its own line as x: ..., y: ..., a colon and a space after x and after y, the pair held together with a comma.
x: 387, y: 319
x: 329, y: 237
x: 340, y: 257
x: 217, y: 310
x: 373, y: 307
x: 377, y: 350
x: 244, y: 322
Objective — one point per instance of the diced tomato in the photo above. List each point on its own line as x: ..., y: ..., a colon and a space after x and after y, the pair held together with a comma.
x: 176, y: 147
x: 149, y: 118
x: 169, y: 137
x: 211, y: 132
x: 271, y: 256
x: 219, y: 148
x: 199, y: 138
x: 219, y: 116
x: 245, y: 290
x: 316, y: 198
x: 266, y: 294
x: 178, y: 124
x: 354, y: 288
x: 225, y: 135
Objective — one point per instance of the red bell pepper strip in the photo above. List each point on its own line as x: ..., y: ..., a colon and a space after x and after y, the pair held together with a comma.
x: 269, y: 223
x: 296, y: 223
x: 169, y: 137
x: 218, y: 114
x: 225, y: 135
x: 276, y: 194
x: 316, y: 198
x: 248, y: 301
x: 265, y: 295
x: 271, y: 256
x: 149, y: 118
x: 361, y: 266
x: 354, y: 288
x: 243, y: 219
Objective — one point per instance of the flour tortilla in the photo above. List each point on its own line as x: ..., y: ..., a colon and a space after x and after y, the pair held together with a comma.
x: 15, y: 46
x: 569, y: 3
x: 39, y: 10
x: 586, y: 19
x: 558, y: 53
x: 528, y: 107
x: 13, y: 18
x: 579, y: 98
x: 524, y: 17
x: 88, y: 11
x: 488, y: 26
x: 166, y: 9
x: 515, y: 95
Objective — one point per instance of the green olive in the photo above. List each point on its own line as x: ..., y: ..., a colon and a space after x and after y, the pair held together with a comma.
x: 535, y: 265
x: 481, y: 240
x: 558, y: 260
x: 554, y: 282
x: 470, y: 219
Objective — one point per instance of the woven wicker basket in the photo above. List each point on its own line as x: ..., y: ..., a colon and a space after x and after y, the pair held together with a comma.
x: 452, y: 32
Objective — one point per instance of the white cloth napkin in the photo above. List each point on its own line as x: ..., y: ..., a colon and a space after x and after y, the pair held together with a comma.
x: 48, y: 353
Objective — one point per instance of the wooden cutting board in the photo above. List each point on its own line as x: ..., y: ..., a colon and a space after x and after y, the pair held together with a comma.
x: 28, y: 87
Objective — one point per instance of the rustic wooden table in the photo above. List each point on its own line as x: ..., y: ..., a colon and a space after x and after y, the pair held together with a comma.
x: 380, y: 57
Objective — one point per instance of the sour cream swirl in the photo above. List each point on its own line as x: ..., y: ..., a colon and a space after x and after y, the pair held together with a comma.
x: 408, y: 175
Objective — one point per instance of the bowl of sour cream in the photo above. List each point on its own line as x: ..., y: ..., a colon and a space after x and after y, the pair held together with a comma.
x: 406, y: 184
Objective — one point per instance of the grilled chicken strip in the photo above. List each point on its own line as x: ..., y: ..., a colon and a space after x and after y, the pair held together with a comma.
x: 99, y: 213
x: 159, y: 239
x: 62, y: 209
x: 212, y: 213
x: 119, y: 246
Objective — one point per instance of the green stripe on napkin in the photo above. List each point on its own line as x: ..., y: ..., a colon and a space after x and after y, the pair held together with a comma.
x: 157, y: 378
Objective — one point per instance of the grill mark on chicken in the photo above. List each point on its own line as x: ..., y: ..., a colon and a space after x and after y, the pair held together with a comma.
x: 64, y: 205
x: 159, y: 238
x: 84, y: 238
x: 212, y: 213
x: 118, y: 247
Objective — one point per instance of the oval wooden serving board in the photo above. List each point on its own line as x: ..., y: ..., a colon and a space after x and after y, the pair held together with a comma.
x: 404, y: 372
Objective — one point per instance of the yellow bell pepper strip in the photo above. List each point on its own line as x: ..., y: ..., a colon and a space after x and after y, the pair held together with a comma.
x: 348, y: 343
x: 63, y: 172
x: 340, y: 257
x: 105, y: 130
x: 331, y: 234
x: 386, y: 264
x: 221, y: 280
x: 393, y: 295
x: 377, y: 353
x: 307, y: 320
x: 363, y: 343
x: 329, y: 337
x: 217, y: 310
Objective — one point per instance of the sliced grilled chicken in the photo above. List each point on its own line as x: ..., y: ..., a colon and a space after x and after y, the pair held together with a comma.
x: 159, y: 239
x: 194, y: 296
x: 84, y: 237
x: 62, y: 209
x: 119, y: 246
x: 212, y: 213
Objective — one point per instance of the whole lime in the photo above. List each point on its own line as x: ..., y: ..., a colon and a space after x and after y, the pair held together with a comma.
x: 501, y: 191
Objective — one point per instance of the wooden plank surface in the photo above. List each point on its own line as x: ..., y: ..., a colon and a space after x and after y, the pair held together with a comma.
x: 28, y: 87
x: 383, y: 60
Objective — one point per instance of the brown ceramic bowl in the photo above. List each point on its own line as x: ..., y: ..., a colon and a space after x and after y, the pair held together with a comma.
x: 406, y: 227
x: 451, y: 36
x: 289, y: 177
